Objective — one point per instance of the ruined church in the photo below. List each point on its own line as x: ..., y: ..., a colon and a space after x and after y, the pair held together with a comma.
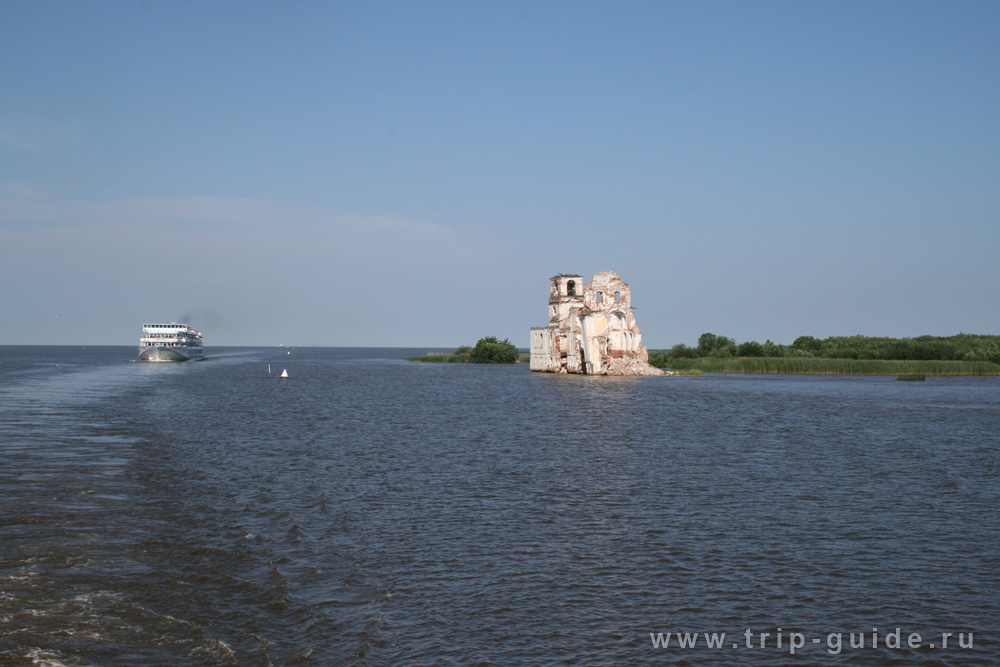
x: 591, y: 330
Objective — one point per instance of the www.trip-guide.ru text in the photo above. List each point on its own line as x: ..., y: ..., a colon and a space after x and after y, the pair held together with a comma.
x: 793, y: 641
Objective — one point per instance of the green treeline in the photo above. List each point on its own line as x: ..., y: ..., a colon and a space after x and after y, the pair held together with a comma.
x: 488, y: 350
x: 963, y: 354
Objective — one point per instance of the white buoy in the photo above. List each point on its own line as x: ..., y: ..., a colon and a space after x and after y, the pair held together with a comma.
x: 284, y: 373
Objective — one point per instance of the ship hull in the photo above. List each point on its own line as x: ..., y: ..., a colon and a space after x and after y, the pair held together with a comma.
x: 157, y: 353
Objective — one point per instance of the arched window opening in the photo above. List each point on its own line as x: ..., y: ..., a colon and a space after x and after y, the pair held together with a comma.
x: 571, y: 288
x: 599, y: 297
x: 618, y: 297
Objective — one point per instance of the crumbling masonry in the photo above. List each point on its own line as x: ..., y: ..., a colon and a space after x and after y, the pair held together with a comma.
x: 591, y: 329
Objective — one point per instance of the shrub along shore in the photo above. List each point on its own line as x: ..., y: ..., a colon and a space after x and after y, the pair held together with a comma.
x: 488, y: 350
x: 964, y: 354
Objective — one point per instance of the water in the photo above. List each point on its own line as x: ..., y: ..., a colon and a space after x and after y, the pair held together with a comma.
x: 373, y: 512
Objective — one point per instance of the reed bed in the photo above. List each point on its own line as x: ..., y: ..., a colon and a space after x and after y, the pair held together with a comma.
x: 820, y: 366
x: 439, y: 358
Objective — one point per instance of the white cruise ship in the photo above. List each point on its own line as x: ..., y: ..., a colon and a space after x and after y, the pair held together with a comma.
x: 170, y: 342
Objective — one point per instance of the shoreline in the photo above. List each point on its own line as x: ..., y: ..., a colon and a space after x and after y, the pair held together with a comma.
x: 829, y: 366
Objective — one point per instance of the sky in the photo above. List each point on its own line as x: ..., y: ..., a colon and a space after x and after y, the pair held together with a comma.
x: 412, y: 174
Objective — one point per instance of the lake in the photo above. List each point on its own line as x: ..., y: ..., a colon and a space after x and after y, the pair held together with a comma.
x: 370, y: 511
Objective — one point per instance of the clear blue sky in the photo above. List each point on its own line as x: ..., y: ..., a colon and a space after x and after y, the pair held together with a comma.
x: 413, y: 173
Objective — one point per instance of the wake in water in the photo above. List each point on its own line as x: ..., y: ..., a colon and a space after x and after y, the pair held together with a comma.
x: 371, y: 512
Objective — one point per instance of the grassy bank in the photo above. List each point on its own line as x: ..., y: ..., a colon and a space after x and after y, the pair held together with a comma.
x: 441, y: 358
x: 820, y: 366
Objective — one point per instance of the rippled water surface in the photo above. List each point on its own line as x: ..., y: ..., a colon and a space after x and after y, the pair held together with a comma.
x: 373, y: 512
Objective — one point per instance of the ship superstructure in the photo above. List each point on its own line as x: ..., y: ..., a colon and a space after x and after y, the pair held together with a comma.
x: 170, y: 342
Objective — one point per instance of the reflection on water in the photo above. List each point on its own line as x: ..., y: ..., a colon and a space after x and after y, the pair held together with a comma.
x: 372, y: 512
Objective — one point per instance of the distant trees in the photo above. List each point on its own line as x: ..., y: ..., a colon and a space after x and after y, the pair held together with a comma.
x: 489, y: 350
x: 962, y: 347
x: 774, y: 349
x: 710, y: 345
x: 682, y: 351
x: 751, y: 348
x: 807, y: 344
